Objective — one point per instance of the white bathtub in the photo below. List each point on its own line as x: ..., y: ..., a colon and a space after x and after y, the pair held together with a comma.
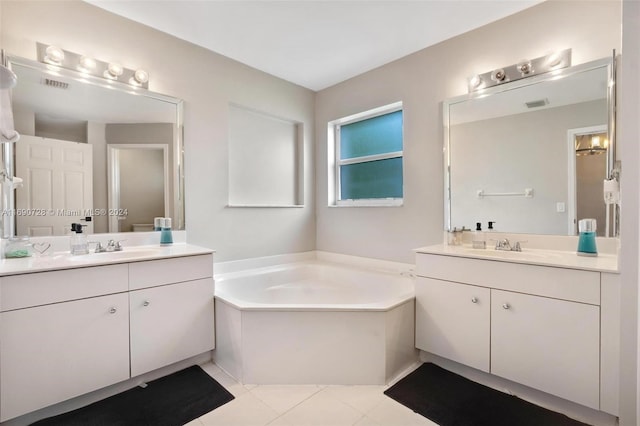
x: 314, y: 323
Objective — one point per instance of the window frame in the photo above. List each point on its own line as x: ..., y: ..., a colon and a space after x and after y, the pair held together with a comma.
x: 337, y: 162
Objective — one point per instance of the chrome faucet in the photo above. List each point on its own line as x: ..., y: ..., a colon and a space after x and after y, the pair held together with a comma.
x: 505, y: 245
x: 113, y: 245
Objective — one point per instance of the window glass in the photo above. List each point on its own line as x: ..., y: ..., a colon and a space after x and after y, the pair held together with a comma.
x: 376, y: 135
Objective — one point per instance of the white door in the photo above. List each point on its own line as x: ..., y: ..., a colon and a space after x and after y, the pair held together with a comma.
x: 548, y: 344
x: 57, y: 188
x: 452, y: 321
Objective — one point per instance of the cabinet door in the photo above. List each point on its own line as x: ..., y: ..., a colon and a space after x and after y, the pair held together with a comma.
x: 170, y: 323
x: 55, y: 352
x: 452, y: 321
x: 548, y: 344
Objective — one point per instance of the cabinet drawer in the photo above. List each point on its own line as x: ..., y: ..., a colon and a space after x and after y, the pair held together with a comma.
x: 22, y: 291
x: 560, y: 283
x: 167, y: 271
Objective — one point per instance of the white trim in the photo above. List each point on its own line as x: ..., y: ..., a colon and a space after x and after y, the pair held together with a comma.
x: 572, y: 198
x: 370, y: 202
x: 265, y: 206
x: 371, y: 113
x: 369, y: 158
x: 113, y: 177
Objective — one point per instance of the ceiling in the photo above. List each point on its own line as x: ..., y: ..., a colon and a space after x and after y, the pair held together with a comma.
x: 314, y: 44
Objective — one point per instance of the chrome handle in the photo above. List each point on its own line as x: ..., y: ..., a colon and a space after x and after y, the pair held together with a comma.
x: 146, y: 303
x: 113, y: 310
x: 506, y: 306
x: 474, y: 300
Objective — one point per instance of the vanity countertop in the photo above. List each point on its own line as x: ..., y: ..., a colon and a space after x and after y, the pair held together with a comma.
x: 554, y: 258
x: 63, y: 260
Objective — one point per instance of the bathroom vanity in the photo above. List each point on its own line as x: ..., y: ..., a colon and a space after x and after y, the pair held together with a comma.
x: 548, y: 320
x: 70, y: 325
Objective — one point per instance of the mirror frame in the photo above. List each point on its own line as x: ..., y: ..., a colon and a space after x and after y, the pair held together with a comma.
x: 612, y: 168
x: 177, y: 177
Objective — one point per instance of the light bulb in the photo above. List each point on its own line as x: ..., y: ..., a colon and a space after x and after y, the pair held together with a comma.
x: 114, y: 70
x: 498, y: 75
x: 141, y: 76
x: 475, y: 81
x: 595, y: 142
x: 54, y: 55
x: 87, y: 64
x: 554, y: 59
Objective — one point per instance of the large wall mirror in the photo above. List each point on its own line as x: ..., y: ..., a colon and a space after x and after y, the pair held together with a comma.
x: 107, y: 155
x: 532, y: 155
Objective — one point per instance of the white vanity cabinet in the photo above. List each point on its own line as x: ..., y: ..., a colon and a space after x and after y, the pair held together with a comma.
x: 540, y: 326
x: 548, y: 344
x: 50, y: 350
x: 453, y: 321
x: 173, y: 319
x: 68, y: 332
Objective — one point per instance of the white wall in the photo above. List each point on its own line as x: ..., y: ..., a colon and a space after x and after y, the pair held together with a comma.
x: 422, y: 81
x: 208, y: 83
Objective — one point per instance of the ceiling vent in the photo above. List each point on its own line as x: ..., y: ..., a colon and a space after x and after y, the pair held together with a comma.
x: 55, y: 83
x: 537, y: 104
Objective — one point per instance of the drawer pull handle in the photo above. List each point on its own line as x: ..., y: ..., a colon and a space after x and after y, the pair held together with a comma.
x: 506, y: 306
x: 113, y: 310
x: 474, y: 300
x: 146, y: 303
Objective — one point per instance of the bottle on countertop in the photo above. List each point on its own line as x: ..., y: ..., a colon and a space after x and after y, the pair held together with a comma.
x: 587, y: 238
x: 166, y: 236
x: 79, y: 244
x: 478, y: 241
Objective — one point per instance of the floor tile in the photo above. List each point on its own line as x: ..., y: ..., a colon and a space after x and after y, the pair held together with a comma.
x: 366, y: 421
x: 231, y: 384
x: 321, y: 409
x: 362, y: 398
x: 284, y: 397
x: 389, y: 412
x: 195, y: 422
x: 245, y: 410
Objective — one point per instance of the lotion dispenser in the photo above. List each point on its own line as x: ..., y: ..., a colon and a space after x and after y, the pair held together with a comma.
x: 478, y: 241
x: 79, y: 244
x: 587, y: 238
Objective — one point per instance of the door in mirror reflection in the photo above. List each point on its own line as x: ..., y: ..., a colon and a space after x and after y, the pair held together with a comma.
x: 57, y: 188
x: 132, y: 208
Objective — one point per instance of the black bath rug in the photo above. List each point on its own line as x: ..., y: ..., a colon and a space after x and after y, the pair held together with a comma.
x: 173, y: 400
x: 452, y: 400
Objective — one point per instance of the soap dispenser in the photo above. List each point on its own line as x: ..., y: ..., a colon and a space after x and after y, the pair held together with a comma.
x: 478, y: 241
x: 587, y: 238
x: 166, y: 237
x: 79, y: 244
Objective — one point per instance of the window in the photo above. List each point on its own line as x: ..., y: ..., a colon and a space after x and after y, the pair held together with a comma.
x: 368, y: 158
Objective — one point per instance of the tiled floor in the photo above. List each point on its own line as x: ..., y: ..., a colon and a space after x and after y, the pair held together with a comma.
x: 306, y: 405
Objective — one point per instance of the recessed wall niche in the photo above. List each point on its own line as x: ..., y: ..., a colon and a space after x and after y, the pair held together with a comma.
x: 265, y: 159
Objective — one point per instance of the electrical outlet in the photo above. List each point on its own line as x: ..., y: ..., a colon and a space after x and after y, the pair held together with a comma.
x: 560, y: 207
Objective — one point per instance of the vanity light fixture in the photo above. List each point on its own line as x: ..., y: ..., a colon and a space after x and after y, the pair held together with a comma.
x: 86, y: 64
x: 54, y: 55
x: 114, y: 71
x: 140, y: 76
x: 90, y: 67
x: 523, y: 69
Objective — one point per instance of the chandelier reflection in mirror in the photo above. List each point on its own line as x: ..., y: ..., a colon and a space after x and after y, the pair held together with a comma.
x: 525, y: 68
x: 111, y: 71
x: 591, y: 144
